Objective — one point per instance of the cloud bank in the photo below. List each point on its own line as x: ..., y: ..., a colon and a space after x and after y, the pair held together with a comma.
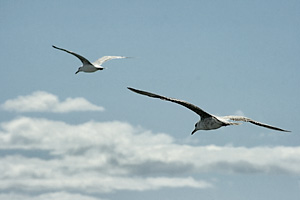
x: 41, y: 101
x: 47, y: 196
x: 101, y: 157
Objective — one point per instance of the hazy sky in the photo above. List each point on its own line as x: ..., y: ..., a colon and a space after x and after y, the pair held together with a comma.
x: 87, y: 137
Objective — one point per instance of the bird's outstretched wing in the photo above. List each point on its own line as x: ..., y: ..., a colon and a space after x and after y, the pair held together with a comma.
x: 188, y: 105
x: 245, y: 119
x: 81, y: 58
x: 100, y: 61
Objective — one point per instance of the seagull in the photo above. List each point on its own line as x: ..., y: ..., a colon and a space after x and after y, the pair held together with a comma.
x: 207, y: 121
x: 87, y: 66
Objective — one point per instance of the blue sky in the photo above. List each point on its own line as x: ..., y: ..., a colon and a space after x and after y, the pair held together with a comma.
x: 87, y: 137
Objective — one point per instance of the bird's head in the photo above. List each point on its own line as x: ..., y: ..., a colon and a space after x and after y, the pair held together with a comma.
x: 79, y: 69
x: 198, y: 126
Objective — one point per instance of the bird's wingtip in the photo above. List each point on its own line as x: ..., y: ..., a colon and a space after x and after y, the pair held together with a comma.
x: 136, y: 90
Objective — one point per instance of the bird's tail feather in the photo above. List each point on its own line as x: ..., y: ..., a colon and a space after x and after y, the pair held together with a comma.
x: 233, y: 123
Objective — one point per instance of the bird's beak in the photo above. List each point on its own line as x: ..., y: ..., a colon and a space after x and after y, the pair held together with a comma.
x: 76, y: 72
x: 194, y: 131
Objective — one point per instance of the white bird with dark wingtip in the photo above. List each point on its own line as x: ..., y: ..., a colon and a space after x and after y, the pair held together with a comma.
x: 208, y: 121
x: 87, y: 66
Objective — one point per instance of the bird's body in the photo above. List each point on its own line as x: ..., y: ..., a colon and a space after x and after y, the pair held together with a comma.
x: 210, y: 123
x: 207, y: 121
x: 87, y: 66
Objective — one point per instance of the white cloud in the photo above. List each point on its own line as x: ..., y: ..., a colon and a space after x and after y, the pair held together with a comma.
x: 90, y: 157
x: 99, y: 157
x: 47, y: 196
x: 239, y: 113
x: 41, y: 101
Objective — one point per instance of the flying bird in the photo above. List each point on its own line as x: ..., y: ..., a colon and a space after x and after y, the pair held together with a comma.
x: 208, y: 121
x: 87, y: 66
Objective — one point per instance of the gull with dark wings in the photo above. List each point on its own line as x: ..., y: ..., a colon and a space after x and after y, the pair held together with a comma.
x: 208, y: 121
x: 87, y: 66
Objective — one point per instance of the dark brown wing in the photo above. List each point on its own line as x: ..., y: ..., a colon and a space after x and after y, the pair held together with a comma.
x: 81, y: 58
x: 245, y: 119
x: 188, y: 105
x: 268, y: 126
